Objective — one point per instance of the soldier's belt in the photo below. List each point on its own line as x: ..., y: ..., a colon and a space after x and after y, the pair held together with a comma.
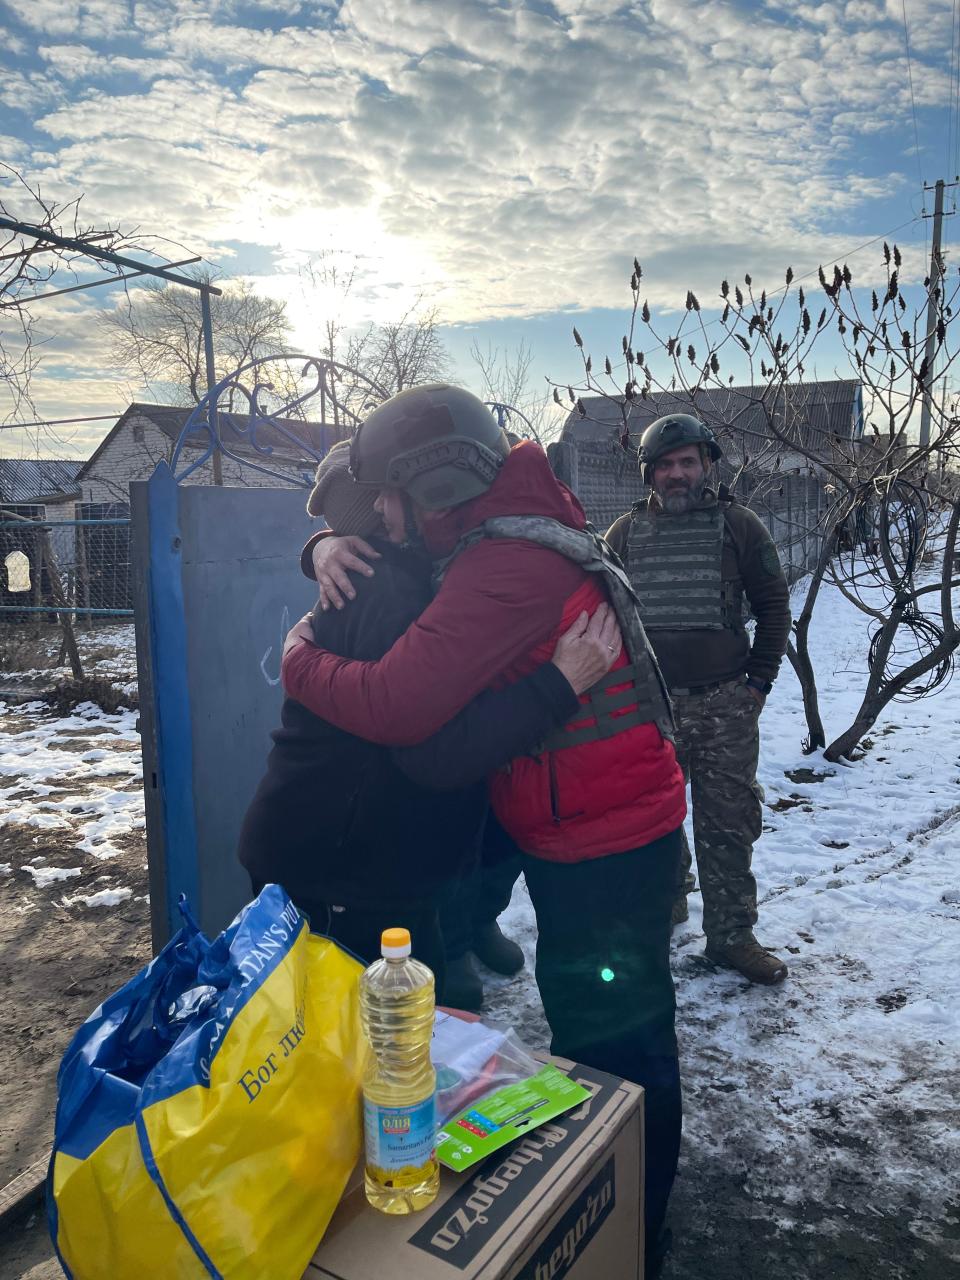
x: 695, y: 690
x: 646, y: 702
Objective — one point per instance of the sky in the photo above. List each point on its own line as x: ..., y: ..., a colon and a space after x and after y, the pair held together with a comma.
x: 503, y: 161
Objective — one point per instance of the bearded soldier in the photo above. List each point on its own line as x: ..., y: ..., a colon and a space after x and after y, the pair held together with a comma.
x: 694, y: 555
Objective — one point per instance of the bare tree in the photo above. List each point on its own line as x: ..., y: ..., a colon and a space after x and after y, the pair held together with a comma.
x: 156, y: 334
x: 331, y: 275
x: 401, y: 353
x: 893, y: 503
x: 506, y: 380
x: 29, y: 267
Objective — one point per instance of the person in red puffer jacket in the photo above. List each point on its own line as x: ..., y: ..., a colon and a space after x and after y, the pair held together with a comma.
x: 597, y: 812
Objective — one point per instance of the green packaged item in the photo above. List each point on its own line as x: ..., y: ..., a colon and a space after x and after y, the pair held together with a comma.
x: 496, y: 1119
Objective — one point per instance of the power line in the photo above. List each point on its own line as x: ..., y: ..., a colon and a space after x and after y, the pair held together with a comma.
x: 913, y: 102
x: 56, y: 422
x: 866, y: 245
x: 953, y: 59
x: 848, y: 253
x: 92, y: 284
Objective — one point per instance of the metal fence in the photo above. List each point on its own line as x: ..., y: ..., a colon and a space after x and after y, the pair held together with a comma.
x: 607, y: 481
x: 56, y: 569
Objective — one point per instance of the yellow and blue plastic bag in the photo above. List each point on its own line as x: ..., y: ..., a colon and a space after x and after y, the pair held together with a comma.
x: 208, y: 1113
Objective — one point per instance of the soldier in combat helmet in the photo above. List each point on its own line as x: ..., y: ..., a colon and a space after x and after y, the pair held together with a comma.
x: 693, y: 554
x: 597, y: 806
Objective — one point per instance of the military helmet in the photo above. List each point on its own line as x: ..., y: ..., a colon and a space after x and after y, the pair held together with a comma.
x: 670, y: 432
x: 438, y: 444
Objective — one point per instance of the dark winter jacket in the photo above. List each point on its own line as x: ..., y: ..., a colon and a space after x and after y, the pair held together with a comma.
x: 496, y: 618
x: 344, y: 821
x: 751, y: 565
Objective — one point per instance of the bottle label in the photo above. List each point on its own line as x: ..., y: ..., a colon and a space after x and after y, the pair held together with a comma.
x: 400, y: 1141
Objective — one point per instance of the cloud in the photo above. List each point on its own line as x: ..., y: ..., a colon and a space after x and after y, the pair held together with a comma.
x: 287, y: 94
x: 81, y: 62
x: 86, y: 18
x: 508, y: 158
x: 27, y: 92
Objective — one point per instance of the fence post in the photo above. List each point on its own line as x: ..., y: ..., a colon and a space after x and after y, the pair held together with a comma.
x: 165, y: 712
x: 83, y: 571
x: 36, y: 593
x: 56, y: 590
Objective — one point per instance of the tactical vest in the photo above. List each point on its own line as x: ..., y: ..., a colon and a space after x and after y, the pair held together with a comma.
x: 675, y: 566
x: 646, y: 686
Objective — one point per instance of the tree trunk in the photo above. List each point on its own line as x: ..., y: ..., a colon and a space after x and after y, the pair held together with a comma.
x: 843, y: 746
x: 878, y: 694
x: 800, y: 661
x: 799, y: 653
x: 56, y: 590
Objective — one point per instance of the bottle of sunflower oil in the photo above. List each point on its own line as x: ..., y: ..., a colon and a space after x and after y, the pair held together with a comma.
x: 399, y: 1084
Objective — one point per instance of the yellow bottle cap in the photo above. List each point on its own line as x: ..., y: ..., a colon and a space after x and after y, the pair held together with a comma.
x: 395, y: 943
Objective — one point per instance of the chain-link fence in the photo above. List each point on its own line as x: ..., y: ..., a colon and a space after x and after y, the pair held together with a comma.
x: 65, y: 592
x: 793, y: 505
x: 79, y: 565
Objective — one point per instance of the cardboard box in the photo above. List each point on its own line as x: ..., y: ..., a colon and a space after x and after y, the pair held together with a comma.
x: 564, y: 1201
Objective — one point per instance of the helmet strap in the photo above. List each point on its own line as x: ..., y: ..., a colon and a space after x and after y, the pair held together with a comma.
x: 412, y: 537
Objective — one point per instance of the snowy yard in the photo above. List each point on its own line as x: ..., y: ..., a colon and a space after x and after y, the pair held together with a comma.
x: 822, y: 1117
x: 74, y: 915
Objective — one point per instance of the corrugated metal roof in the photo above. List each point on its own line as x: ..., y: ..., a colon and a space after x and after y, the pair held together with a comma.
x: 271, y: 433
x: 816, y: 411
x: 27, y: 479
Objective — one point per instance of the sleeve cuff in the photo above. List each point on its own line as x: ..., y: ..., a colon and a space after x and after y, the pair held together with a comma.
x: 306, y: 555
x: 763, y: 673
x: 556, y: 691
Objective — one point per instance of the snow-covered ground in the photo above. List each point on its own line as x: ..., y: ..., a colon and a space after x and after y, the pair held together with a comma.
x: 73, y: 783
x: 74, y: 910
x: 822, y: 1116
x: 825, y: 1113
x: 35, y: 661
x: 77, y: 778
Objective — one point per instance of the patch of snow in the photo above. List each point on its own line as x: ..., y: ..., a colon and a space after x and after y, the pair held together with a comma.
x: 46, y: 821
x: 42, y: 876
x: 37, y: 763
x: 102, y: 898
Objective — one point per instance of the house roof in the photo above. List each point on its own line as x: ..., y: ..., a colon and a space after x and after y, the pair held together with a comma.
x: 26, y: 480
x: 171, y: 420
x: 833, y: 408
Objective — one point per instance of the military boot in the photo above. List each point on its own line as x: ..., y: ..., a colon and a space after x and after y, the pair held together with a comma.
x: 462, y: 988
x: 748, y: 957
x: 496, y: 950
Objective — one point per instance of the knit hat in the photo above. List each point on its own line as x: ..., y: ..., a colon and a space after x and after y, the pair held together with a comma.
x: 346, y: 506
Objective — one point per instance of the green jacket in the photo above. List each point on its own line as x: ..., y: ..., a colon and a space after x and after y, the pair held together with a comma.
x: 749, y: 560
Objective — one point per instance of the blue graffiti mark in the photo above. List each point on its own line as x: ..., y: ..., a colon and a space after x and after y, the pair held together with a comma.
x: 273, y: 681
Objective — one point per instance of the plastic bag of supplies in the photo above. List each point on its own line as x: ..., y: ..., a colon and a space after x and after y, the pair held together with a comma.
x: 208, y: 1113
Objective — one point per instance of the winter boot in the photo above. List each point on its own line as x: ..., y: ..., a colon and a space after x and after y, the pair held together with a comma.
x: 462, y: 988
x: 755, y: 962
x: 497, y: 952
x: 681, y: 911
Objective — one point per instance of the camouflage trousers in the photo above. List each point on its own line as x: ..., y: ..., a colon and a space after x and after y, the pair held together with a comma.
x: 718, y: 744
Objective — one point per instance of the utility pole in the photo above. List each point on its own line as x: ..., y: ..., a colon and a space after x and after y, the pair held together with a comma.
x: 935, y: 295
x: 213, y: 420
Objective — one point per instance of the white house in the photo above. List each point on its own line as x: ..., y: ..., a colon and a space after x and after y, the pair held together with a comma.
x: 146, y: 434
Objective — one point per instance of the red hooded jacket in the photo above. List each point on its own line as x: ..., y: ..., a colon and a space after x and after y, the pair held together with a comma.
x: 498, y: 614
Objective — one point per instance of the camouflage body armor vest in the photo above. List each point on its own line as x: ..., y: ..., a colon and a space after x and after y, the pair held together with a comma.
x: 675, y: 566
x: 646, y: 684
